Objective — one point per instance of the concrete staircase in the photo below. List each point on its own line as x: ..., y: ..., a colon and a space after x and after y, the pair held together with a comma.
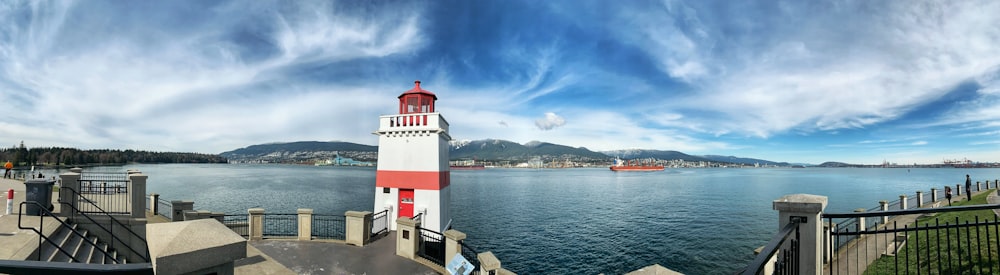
x: 83, y: 251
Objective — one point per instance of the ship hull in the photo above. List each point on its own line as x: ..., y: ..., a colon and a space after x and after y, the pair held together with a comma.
x: 636, y: 168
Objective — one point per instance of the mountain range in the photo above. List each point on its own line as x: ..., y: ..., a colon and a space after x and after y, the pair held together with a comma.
x: 488, y: 149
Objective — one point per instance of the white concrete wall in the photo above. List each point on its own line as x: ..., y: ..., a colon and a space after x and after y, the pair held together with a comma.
x: 421, y: 148
x: 417, y: 151
x: 436, y: 202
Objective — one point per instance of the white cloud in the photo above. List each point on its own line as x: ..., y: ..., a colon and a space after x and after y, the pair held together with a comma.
x: 824, y: 74
x: 189, y: 89
x: 549, y: 122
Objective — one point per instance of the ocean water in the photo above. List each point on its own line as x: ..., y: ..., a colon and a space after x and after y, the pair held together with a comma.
x: 572, y: 221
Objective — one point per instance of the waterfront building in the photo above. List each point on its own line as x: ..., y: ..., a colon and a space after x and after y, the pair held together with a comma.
x: 413, y: 174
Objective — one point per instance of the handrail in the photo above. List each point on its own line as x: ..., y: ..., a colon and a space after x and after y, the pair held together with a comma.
x: 36, y: 267
x: 110, y: 232
x: 41, y: 227
x: 772, y: 247
x: 911, y: 211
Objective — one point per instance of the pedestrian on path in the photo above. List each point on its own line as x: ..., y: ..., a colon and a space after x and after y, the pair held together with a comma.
x: 947, y: 194
x: 7, y: 166
x: 968, y: 186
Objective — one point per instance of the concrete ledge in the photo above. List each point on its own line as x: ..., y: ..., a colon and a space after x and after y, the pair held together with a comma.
x: 194, y: 247
x: 655, y: 269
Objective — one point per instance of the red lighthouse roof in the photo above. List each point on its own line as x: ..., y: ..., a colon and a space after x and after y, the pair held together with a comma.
x: 417, y: 90
x: 416, y: 100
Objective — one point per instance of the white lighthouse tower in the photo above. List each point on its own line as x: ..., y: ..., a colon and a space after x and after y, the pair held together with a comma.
x: 413, y: 173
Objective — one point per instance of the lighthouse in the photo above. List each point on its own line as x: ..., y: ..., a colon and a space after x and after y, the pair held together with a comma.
x: 413, y: 174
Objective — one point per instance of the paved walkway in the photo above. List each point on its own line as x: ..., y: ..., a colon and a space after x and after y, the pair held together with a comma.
x: 319, y: 257
x: 870, y: 247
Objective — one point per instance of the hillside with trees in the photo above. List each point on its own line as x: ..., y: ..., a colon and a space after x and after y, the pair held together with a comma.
x: 60, y: 156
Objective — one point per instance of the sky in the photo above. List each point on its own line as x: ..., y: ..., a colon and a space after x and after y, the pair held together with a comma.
x: 797, y: 81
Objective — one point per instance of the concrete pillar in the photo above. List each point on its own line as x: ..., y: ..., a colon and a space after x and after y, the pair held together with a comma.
x: 70, y: 180
x: 452, y: 244
x: 934, y: 195
x: 219, y: 216
x: 488, y: 263
x: 358, y: 225
x: 137, y: 192
x: 406, y: 237
x: 979, y: 186
x: 305, y: 223
x: 861, y: 226
x: 154, y: 206
x: 179, y: 208
x: 958, y: 190
x: 189, y: 215
x: 256, y: 223
x: 885, y: 207
x: 920, y: 199
x: 808, y: 210
x: 902, y: 202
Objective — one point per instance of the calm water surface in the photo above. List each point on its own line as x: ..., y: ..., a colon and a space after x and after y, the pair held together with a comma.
x: 573, y: 221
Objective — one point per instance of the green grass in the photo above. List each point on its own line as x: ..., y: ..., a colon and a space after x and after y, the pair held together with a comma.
x: 965, y: 250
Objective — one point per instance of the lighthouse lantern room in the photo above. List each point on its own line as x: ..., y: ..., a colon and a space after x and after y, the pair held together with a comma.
x: 413, y: 175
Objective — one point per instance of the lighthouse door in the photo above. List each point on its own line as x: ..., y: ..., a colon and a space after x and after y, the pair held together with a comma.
x: 405, y: 203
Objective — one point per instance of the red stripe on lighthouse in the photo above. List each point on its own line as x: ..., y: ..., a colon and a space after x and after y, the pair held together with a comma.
x: 413, y: 179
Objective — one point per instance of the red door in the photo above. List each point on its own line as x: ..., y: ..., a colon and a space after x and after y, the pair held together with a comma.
x: 405, y: 203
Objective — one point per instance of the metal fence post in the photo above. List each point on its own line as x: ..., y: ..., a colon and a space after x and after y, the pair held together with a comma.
x: 808, y: 209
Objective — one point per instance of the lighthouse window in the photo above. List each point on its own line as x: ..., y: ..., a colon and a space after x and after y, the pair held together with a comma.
x: 385, y: 190
x: 411, y: 104
x: 425, y: 105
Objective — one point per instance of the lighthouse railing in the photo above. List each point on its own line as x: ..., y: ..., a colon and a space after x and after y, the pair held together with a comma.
x: 420, y: 121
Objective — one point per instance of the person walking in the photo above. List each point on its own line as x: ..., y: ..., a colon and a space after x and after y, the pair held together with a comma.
x: 947, y: 194
x: 7, y: 166
x: 968, y: 187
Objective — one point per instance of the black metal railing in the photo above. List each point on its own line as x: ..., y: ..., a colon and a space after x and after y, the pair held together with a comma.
x: 112, y: 221
x: 35, y: 267
x: 44, y: 212
x: 281, y: 225
x: 931, y: 246
x: 785, y: 261
x: 418, y: 218
x: 239, y: 223
x: 107, y: 190
x: 328, y: 227
x: 471, y: 255
x: 164, y: 208
x: 380, y: 225
x: 431, y: 246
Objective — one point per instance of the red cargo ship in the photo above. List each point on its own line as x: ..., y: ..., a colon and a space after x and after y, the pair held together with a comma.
x: 634, y: 165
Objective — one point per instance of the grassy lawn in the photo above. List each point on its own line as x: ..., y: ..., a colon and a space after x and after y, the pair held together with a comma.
x: 959, y: 250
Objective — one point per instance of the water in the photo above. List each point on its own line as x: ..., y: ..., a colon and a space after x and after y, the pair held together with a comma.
x: 579, y: 221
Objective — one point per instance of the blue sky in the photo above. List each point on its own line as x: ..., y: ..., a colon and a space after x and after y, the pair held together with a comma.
x: 797, y: 81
